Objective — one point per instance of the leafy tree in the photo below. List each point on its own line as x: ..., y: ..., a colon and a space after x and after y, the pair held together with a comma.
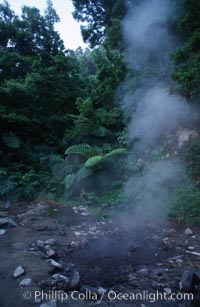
x: 187, y: 57
x: 185, y: 206
x: 111, y: 72
x: 91, y: 160
x: 39, y: 85
x: 193, y: 162
x: 98, y: 16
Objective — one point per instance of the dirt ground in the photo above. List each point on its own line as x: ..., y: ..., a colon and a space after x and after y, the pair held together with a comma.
x: 104, y: 263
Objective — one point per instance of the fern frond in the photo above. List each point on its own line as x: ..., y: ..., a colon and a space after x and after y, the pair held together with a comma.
x: 83, y: 149
x: 80, y: 149
x: 94, y: 162
x: 116, y: 152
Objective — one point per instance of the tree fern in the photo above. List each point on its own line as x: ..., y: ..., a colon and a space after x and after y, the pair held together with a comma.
x: 116, y: 152
x: 94, y: 162
x: 80, y: 149
x: 94, y: 159
x: 83, y: 149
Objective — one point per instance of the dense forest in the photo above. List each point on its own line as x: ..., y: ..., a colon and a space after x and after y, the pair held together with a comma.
x: 63, y: 126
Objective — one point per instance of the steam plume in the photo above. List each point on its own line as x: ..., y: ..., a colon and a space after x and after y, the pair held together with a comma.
x: 155, y: 111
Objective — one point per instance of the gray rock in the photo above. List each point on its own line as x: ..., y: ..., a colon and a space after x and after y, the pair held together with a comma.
x: 47, y: 247
x: 51, y: 241
x: 75, y: 280
x: 74, y: 244
x: 168, y: 290
x: 2, y: 232
x: 40, y: 243
x: 166, y: 240
x: 188, y: 232
x: 49, y: 304
x: 51, y: 253
x: 60, y: 277
x: 25, y: 282
x: 61, y: 282
x: 86, y: 213
x: 18, y: 271
x: 93, y: 228
x: 189, y: 280
x: 55, y: 264
x: 77, y: 233
x: 7, y: 221
x: 186, y: 283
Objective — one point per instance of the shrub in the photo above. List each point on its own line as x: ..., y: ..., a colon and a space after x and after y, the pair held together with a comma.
x: 193, y: 161
x: 185, y: 206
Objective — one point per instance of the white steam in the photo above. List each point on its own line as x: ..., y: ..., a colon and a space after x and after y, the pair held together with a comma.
x: 155, y: 111
x: 146, y: 31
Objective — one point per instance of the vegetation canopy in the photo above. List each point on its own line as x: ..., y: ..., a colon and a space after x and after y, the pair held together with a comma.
x: 63, y: 131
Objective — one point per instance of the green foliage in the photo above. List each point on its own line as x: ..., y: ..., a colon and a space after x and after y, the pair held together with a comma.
x: 39, y: 86
x: 106, y: 205
x: 82, y: 149
x: 116, y: 152
x: 11, y: 140
x: 187, y: 57
x: 90, y: 199
x: 111, y: 72
x: 193, y: 161
x: 86, y: 111
x: 53, y: 99
x: 111, y: 199
x: 94, y: 162
x: 187, y: 76
x: 185, y: 206
x: 99, y: 16
x: 21, y: 185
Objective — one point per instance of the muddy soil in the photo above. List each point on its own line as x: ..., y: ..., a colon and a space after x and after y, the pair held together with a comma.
x: 93, y: 255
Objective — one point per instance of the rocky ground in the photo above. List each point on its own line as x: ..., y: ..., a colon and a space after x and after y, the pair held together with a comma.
x: 55, y: 255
